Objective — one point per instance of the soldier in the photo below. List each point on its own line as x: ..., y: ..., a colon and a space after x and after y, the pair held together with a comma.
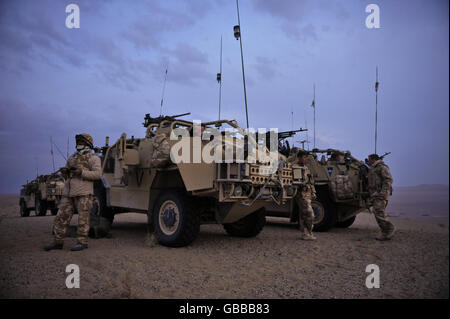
x: 380, y: 188
x: 337, y: 156
x: 82, y: 169
x: 305, y: 194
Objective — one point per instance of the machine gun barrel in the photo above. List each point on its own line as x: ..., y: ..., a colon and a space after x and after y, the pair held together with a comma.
x: 286, y: 134
x: 157, y: 120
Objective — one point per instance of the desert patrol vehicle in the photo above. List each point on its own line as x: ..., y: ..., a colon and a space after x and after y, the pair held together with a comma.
x: 341, y: 189
x: 41, y: 194
x: 138, y: 175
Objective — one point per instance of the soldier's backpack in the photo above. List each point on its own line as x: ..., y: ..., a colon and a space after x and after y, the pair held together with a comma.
x: 341, y: 187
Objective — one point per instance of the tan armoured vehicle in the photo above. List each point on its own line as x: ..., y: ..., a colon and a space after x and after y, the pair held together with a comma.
x: 138, y: 175
x: 341, y: 189
x: 42, y: 194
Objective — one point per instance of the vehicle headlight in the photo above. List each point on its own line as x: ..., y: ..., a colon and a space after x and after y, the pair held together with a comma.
x: 237, y: 191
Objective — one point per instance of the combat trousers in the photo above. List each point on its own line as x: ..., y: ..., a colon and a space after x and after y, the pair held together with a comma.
x: 379, y: 207
x: 306, y: 214
x: 66, y: 207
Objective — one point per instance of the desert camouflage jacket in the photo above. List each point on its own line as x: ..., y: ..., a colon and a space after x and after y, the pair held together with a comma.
x: 380, y: 180
x: 89, y: 163
x: 307, y: 190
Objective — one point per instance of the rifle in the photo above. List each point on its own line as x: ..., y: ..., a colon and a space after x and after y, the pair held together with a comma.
x: 384, y: 155
x: 157, y: 120
x: 381, y: 157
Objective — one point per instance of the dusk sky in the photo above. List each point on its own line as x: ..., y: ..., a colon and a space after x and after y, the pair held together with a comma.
x: 103, y: 77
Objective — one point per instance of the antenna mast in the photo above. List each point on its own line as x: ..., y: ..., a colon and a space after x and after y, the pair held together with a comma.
x: 376, y: 109
x: 163, y: 90
x: 51, y: 152
x: 37, y: 167
x: 238, y: 36
x: 313, y: 104
x: 219, y: 77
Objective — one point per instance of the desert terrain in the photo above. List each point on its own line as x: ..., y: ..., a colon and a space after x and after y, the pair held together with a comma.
x: 275, y: 264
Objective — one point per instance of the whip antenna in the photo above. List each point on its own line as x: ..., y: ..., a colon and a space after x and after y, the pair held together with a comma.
x: 313, y: 105
x: 376, y: 109
x: 163, y: 90
x: 51, y: 152
x: 238, y: 36
x: 219, y: 77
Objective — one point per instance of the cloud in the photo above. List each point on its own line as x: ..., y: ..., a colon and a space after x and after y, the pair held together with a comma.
x: 304, y: 33
x: 288, y: 10
x: 150, y: 28
x: 266, y: 67
x: 30, y: 34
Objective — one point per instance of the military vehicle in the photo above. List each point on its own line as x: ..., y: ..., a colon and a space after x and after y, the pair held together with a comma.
x: 341, y: 189
x: 41, y: 194
x: 138, y: 175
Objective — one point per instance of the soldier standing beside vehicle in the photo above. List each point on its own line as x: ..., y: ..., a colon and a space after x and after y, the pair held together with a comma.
x: 337, y: 157
x: 380, y: 188
x: 305, y: 194
x: 82, y: 169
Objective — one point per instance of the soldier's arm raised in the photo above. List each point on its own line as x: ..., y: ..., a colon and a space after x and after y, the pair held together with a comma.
x: 95, y: 169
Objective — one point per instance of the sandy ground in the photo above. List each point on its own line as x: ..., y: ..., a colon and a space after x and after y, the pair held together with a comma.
x: 275, y: 264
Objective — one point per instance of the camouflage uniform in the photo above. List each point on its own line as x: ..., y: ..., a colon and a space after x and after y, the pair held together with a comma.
x: 380, y: 188
x: 305, y: 194
x: 78, y: 193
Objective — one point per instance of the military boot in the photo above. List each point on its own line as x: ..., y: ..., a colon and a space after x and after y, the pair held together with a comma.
x: 386, y: 236
x: 308, y: 237
x: 79, y: 246
x: 53, y: 245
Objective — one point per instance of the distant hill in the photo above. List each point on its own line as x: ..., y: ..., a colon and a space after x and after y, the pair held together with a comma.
x: 442, y: 187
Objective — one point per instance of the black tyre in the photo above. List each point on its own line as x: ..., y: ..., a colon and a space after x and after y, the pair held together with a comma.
x: 54, y: 211
x: 324, y: 214
x: 346, y: 223
x: 175, y: 220
x: 249, y: 226
x: 102, y: 216
x: 40, y: 207
x: 24, y: 211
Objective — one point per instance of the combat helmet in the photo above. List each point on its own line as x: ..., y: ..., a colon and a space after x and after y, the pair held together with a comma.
x: 85, y: 137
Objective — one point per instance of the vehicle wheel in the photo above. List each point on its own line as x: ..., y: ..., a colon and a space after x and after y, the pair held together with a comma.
x: 102, y: 216
x: 40, y: 207
x: 324, y: 215
x: 54, y: 211
x: 175, y: 220
x: 249, y: 226
x: 346, y: 223
x: 24, y: 211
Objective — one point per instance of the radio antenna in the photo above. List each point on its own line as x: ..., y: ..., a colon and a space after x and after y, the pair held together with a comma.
x: 238, y: 36
x: 313, y: 104
x: 219, y: 77
x: 163, y: 90
x: 51, y: 152
x: 376, y: 109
